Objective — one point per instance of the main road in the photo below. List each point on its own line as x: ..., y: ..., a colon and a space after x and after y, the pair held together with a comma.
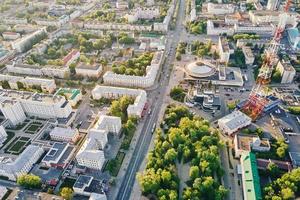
x: 157, y: 97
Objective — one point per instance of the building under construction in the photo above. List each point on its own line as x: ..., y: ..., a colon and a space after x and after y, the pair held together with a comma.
x: 257, y: 101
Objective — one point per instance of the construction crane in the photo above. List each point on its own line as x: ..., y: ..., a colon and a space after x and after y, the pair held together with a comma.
x: 257, y: 101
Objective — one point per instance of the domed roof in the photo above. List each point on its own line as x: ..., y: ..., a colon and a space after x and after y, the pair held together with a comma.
x: 200, y: 70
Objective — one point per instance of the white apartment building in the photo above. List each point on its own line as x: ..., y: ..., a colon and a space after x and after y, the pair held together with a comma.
x: 220, y: 9
x: 37, y: 104
x: 47, y: 85
x: 12, y: 20
x: 13, y: 111
x: 122, y: 5
x: 224, y: 50
x: 215, y: 27
x: 143, y: 13
x: 148, y: 80
x: 20, y: 44
x: 64, y: 134
x: 26, y: 28
x: 110, y: 92
x: 89, y: 70
x: 287, y: 71
x: 259, y: 42
x: 249, y: 57
x: 273, y: 4
x: 22, y: 165
x: 34, y: 70
x: 112, y: 26
x: 3, y: 135
x: 269, y: 16
x: 233, y: 122
x: 111, y: 124
x: 91, y: 154
x: 263, y: 29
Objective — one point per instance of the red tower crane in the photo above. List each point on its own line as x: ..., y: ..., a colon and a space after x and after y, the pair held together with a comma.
x: 256, y: 102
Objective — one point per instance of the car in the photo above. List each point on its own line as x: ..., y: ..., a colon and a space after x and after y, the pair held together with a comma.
x: 227, y: 94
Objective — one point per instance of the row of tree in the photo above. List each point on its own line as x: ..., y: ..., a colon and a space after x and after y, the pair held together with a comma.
x: 188, y: 140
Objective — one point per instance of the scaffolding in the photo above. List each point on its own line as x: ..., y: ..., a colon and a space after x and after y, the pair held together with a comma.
x: 257, y: 101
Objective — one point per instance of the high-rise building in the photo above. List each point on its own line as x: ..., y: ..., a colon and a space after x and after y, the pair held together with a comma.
x: 273, y: 4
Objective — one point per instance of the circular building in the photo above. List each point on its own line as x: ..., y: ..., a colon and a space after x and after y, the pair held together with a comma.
x: 200, y: 69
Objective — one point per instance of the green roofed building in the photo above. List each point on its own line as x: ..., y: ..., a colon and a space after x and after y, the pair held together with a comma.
x: 72, y: 95
x: 250, y: 177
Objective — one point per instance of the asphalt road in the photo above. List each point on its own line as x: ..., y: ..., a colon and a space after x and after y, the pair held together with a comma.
x: 157, y: 98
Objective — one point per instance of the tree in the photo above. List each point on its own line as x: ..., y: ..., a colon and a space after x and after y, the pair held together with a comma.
x: 273, y: 170
x: 194, y: 172
x: 66, y: 193
x: 29, y: 181
x: 5, y: 84
x: 20, y: 85
x: 276, y: 77
x: 177, y: 93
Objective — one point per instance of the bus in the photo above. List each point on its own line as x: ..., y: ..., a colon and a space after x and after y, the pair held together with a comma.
x: 298, y: 119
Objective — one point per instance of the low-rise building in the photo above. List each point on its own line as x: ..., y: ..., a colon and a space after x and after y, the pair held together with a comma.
x: 250, y: 177
x: 233, y: 122
x: 287, y: 71
x: 74, y: 96
x: 247, y: 142
x: 249, y: 57
x: 87, y: 185
x: 89, y: 70
x: 22, y: 165
x: 64, y: 134
x: 59, y: 155
x: 10, y: 35
x: 109, y: 92
x: 224, y: 50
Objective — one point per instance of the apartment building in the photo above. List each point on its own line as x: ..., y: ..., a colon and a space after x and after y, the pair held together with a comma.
x: 218, y: 27
x: 89, y: 70
x: 110, y: 92
x: 13, y: 111
x: 273, y: 4
x: 12, y: 20
x: 249, y: 57
x: 22, y: 165
x: 266, y: 29
x: 35, y: 70
x: 294, y: 38
x: 148, y: 80
x: 33, y: 104
x: 224, y: 49
x: 71, y: 57
x: 64, y: 134
x: 91, y: 153
x: 47, y: 85
x: 20, y: 44
x: 73, y: 96
x: 220, y: 9
x: 3, y: 135
x: 287, y: 71
x: 143, y: 13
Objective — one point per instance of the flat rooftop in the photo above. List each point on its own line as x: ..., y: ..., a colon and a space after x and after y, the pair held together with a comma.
x: 244, y: 141
x: 58, y: 150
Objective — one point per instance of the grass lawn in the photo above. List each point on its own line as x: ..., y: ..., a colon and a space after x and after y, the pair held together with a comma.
x: 68, y: 182
x: 33, y: 128
x: 17, y: 146
x: 10, y: 145
x: 25, y: 139
x: 113, y: 166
